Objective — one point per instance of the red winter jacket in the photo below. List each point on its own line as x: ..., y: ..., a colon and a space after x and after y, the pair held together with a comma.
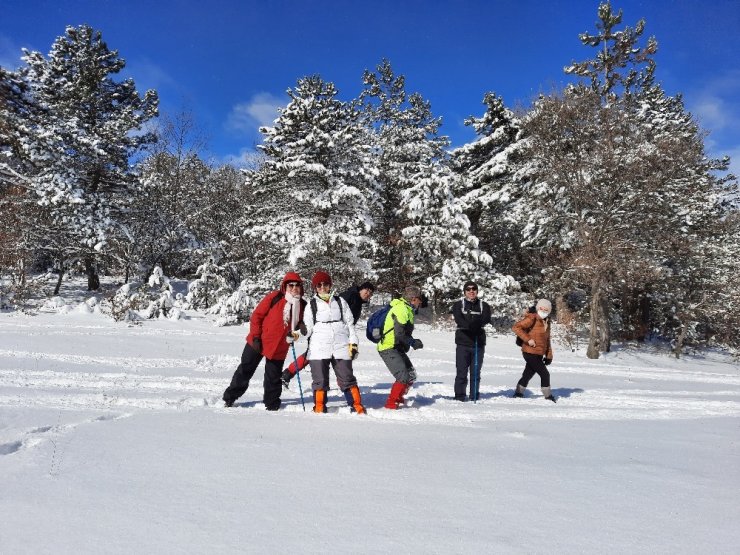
x: 267, y: 323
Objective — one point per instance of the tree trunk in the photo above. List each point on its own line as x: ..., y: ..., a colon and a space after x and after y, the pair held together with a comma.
x: 593, y: 335
x: 93, y: 281
x: 605, y: 333
x: 59, y: 281
x: 644, y: 325
x: 22, y: 272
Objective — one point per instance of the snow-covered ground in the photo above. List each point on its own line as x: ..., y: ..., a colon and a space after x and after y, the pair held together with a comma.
x: 113, y: 439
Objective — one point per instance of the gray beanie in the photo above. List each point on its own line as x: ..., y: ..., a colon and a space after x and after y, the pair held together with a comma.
x: 411, y: 292
x: 544, y: 303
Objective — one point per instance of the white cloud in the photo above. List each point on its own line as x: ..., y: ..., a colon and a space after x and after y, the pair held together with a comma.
x: 10, y: 53
x: 261, y: 109
x: 717, y: 104
x: 148, y: 75
x: 710, y: 111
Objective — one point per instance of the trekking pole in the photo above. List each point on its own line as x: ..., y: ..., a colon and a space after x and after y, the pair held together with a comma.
x: 298, y: 375
x: 475, y: 374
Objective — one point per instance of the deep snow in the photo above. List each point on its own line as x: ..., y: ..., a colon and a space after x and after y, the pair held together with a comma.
x: 113, y: 439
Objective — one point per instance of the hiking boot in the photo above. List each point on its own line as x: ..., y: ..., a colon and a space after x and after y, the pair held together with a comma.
x: 519, y: 391
x: 547, y: 393
x: 354, y: 399
x: 285, y: 377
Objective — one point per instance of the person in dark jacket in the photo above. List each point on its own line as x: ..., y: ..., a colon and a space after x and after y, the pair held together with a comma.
x: 471, y: 315
x: 356, y: 296
x: 278, y: 315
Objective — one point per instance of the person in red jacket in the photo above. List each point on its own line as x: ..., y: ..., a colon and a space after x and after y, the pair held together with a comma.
x: 278, y: 315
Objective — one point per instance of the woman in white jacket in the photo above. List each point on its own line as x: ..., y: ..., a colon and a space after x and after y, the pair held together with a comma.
x: 331, y: 335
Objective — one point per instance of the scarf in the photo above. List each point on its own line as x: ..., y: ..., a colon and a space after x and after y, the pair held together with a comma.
x: 291, y: 310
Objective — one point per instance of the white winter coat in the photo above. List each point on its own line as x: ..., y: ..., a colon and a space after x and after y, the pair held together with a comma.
x: 333, y: 332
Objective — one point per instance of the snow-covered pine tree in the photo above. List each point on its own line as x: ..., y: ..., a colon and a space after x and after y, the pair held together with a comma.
x: 691, y: 231
x: 19, y: 240
x: 314, y: 199
x: 81, y: 148
x: 426, y: 236
x: 489, y: 190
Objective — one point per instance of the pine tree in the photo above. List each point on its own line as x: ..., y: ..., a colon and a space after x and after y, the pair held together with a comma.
x: 19, y: 241
x: 92, y: 126
x: 489, y: 189
x: 314, y: 197
x: 426, y: 236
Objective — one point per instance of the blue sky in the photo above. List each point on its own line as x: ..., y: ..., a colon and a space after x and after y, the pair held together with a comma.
x: 229, y: 62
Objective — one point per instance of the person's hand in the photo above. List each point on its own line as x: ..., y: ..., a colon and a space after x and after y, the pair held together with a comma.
x: 532, y: 343
x: 292, y: 337
x: 547, y: 361
x: 257, y: 344
x: 417, y: 344
x: 353, y: 351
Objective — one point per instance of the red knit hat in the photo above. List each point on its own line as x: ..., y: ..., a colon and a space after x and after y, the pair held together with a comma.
x: 290, y: 277
x: 320, y: 277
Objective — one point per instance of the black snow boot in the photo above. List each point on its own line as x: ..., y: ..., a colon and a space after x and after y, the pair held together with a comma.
x: 548, y: 395
x: 285, y: 377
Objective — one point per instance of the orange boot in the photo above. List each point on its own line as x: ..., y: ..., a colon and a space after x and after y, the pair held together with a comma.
x: 396, y: 396
x: 319, y: 401
x: 354, y: 400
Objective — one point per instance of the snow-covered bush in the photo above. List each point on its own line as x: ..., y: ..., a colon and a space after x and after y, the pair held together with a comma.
x: 236, y: 307
x: 209, y: 288
x: 136, y: 301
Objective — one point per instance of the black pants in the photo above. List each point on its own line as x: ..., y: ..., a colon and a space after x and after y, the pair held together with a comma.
x: 535, y: 365
x: 244, y: 373
x: 466, y: 363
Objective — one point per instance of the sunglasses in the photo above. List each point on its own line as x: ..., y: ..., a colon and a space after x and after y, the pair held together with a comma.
x: 471, y: 289
x: 319, y: 285
x: 292, y: 284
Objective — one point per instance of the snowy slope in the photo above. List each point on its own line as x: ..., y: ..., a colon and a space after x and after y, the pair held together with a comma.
x: 113, y: 439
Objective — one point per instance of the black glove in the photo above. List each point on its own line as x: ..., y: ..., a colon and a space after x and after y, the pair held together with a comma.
x: 257, y: 344
x: 547, y: 361
x: 417, y: 344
